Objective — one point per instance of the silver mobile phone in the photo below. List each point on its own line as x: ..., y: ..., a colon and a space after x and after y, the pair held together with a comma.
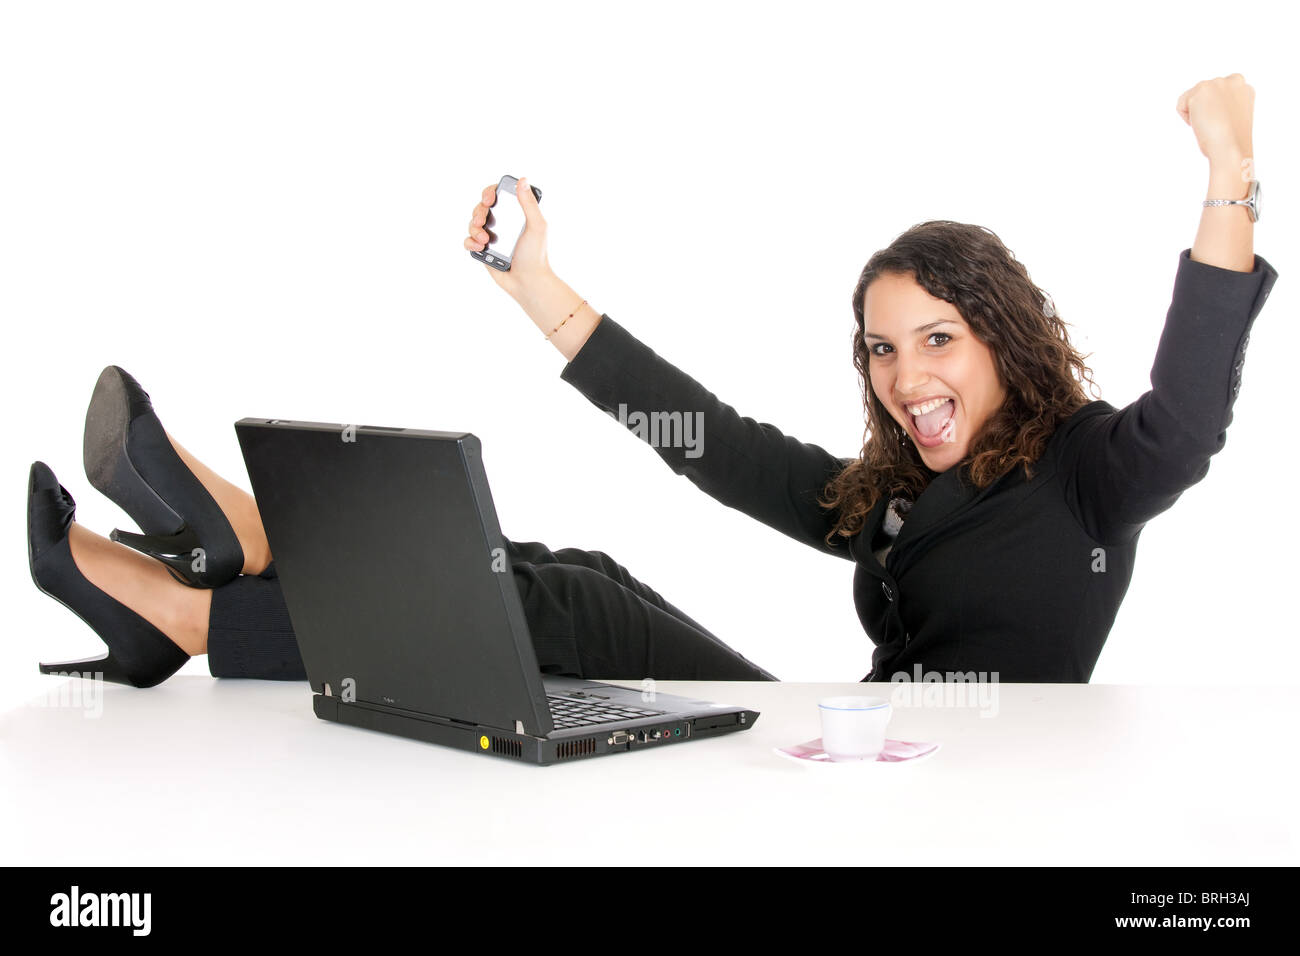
x: 505, y: 224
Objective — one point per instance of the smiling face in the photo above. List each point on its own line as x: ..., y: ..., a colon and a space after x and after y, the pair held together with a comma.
x: 924, y: 356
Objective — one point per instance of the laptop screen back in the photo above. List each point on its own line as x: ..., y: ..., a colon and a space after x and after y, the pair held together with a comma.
x: 393, y: 568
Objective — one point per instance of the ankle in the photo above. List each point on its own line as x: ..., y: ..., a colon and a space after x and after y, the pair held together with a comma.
x: 142, y: 585
x: 257, y: 562
x: 187, y: 620
x: 257, y: 550
x: 238, y: 507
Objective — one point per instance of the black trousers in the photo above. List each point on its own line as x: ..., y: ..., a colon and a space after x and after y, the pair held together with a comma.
x: 588, y: 617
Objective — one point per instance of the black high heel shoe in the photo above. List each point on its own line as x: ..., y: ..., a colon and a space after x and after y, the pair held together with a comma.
x: 129, y: 458
x: 138, y: 653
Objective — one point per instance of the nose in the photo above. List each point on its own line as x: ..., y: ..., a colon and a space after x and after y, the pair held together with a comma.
x: 912, y: 374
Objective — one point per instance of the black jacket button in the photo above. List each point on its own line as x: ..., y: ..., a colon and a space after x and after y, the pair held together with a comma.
x: 889, y: 592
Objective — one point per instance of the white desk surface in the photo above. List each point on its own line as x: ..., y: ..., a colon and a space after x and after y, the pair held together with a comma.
x: 238, y: 772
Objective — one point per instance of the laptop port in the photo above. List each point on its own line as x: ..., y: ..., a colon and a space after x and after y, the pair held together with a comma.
x: 619, y: 737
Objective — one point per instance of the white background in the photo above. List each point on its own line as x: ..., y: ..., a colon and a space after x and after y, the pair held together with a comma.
x: 258, y: 209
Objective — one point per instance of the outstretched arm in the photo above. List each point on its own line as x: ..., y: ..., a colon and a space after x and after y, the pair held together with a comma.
x: 1121, y: 470
x: 745, y: 464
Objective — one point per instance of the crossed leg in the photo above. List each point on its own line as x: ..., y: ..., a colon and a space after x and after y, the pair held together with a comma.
x: 147, y: 587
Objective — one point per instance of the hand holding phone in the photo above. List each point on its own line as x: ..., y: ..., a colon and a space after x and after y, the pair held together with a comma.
x: 507, y: 231
x: 495, y: 227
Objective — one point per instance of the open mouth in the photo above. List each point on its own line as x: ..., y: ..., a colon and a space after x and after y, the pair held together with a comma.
x: 932, y: 421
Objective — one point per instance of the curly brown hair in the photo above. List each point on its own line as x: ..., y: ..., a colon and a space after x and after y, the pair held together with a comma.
x: 1043, y: 374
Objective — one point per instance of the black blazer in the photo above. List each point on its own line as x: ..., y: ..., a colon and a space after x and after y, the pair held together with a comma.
x: 1021, y: 579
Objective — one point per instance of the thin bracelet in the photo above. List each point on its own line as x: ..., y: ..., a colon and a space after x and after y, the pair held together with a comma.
x: 566, y: 319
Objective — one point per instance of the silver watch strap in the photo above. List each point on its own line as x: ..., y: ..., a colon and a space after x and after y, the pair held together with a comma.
x: 1251, y: 202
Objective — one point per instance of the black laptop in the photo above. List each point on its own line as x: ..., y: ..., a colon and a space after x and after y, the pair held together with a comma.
x: 405, y: 609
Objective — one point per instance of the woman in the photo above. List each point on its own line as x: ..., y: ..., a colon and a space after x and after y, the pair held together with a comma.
x: 993, y: 513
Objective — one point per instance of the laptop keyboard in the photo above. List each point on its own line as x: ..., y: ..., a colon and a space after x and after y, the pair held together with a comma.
x: 570, y: 712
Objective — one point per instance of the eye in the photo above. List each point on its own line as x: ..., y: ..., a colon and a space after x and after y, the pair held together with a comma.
x: 880, y: 345
x: 943, y: 335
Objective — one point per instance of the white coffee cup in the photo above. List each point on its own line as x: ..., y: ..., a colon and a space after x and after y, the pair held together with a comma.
x: 853, y: 728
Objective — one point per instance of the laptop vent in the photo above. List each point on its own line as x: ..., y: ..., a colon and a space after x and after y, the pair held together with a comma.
x: 511, y: 748
x: 575, y: 748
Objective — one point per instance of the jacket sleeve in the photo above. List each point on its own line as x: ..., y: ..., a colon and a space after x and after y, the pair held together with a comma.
x: 746, y: 465
x: 1121, y: 469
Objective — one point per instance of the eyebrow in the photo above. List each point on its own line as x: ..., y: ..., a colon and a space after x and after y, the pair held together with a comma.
x: 919, y: 328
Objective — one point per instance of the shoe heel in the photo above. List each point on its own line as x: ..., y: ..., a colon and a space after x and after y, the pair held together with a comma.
x: 180, y: 552
x: 104, y: 668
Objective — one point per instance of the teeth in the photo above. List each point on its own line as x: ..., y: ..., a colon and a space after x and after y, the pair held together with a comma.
x: 927, y: 407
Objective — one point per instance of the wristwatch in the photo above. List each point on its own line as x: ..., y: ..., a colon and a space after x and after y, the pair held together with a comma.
x: 1251, y: 202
